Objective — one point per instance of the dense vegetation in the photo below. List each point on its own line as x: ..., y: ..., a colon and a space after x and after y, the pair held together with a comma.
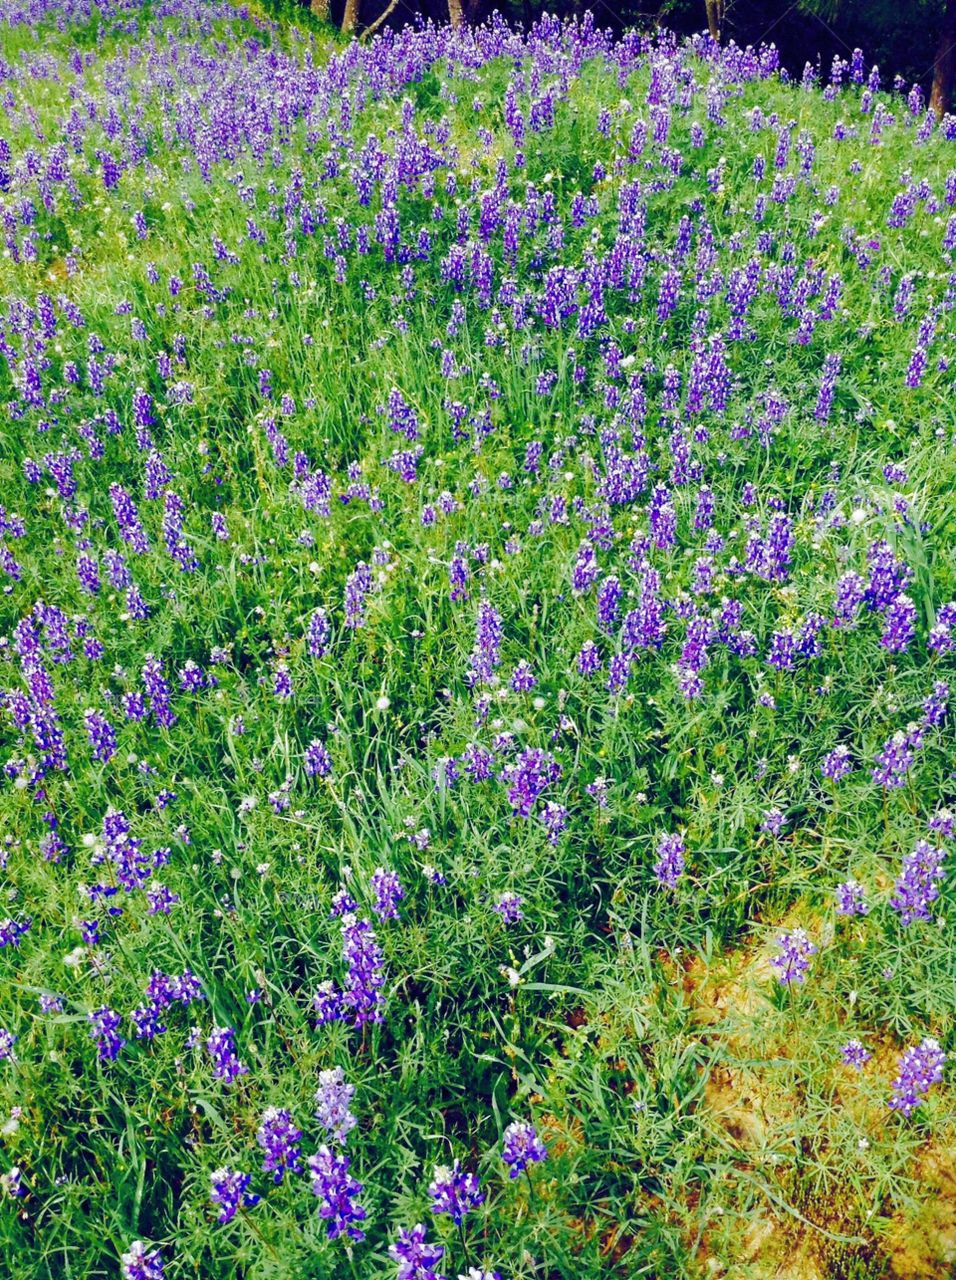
x: 914, y: 40
x: 477, y: 632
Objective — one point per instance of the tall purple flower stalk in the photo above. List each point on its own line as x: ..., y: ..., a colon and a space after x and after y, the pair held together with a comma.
x: 921, y: 1066
x: 140, y: 1262
x: 521, y: 1147
x: 455, y: 1192
x: 337, y: 1191
x: 229, y: 1192
x: 793, y: 960
x: 357, y: 587
x: 669, y: 866
x: 333, y: 1100
x: 486, y: 654
x: 918, y: 885
x: 279, y: 1139
x: 221, y: 1047
x: 365, y: 977
x: 417, y: 1260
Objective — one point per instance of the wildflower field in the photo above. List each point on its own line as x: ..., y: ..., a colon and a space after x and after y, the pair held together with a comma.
x: 477, y: 533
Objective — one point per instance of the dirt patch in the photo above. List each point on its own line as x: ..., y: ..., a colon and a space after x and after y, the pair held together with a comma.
x: 923, y: 1247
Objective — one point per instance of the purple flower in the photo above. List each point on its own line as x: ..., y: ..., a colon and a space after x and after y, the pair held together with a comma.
x: 318, y: 762
x: 282, y: 682
x: 337, y: 1190
x: 921, y: 1066
x: 173, y: 519
x: 11, y: 931
x: 794, y: 959
x: 668, y: 294
x: 943, y: 824
x: 941, y: 636
x: 401, y: 416
x: 7, y: 1041
x: 918, y: 885
x: 334, y: 1096
x: 478, y: 762
x: 357, y: 587
x: 416, y: 1259
x: 773, y: 822
x: 897, y: 757
x: 127, y: 518
x: 831, y: 370
x: 160, y: 900
x: 850, y: 899
x: 669, y: 866
x: 279, y: 1139
x: 404, y: 462
x: 888, y: 576
x: 88, y: 574
x: 851, y: 591
x: 899, y: 624
x: 526, y: 778
x: 608, y: 602
x: 104, y: 1029
x: 855, y: 1054
x: 486, y: 654
x: 554, y: 819
x: 936, y: 705
x: 589, y: 659
x: 191, y: 677
x: 455, y: 1192
x: 319, y: 632
x: 157, y: 691
x: 769, y: 558
x: 836, y: 763
x: 521, y: 1146
x: 142, y: 1263
x: 365, y: 977
x: 342, y: 903
x: 101, y: 734
x: 388, y: 892
x: 221, y: 1047
x: 522, y: 678
x: 328, y: 1003
x: 229, y: 1192
x: 509, y: 906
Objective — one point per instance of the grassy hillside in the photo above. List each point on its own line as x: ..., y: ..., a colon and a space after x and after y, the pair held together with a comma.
x: 476, y: 537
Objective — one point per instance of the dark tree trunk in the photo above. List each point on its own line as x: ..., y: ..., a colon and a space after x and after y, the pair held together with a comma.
x: 714, y: 15
x: 944, y: 66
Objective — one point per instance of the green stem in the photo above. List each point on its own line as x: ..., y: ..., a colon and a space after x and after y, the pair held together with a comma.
x: 464, y: 1244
